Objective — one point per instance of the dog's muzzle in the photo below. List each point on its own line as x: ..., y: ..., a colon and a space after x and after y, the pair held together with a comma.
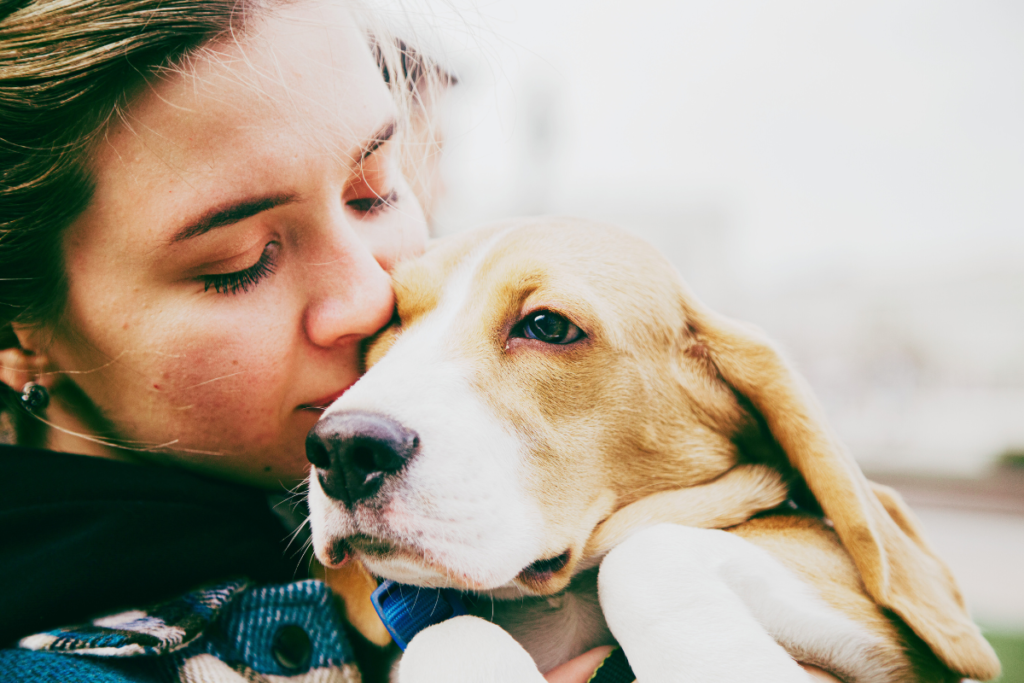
x: 353, y: 451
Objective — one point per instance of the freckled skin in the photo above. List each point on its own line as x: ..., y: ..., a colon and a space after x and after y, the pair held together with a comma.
x: 214, y: 380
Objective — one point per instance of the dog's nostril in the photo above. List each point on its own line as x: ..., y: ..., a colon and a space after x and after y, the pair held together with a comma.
x: 355, y: 450
x: 364, y: 457
x: 316, y: 452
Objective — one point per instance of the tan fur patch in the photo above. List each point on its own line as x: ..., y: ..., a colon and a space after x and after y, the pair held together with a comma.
x: 634, y: 419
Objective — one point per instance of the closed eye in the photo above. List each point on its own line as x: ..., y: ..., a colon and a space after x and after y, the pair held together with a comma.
x: 244, y: 280
x: 374, y: 204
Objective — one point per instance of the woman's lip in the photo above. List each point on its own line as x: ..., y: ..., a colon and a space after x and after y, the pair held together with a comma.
x: 325, y: 402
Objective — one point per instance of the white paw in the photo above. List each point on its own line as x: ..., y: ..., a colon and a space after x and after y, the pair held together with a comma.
x: 668, y: 599
x: 466, y: 650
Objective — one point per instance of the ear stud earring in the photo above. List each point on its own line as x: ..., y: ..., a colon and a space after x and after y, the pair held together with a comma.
x: 34, y: 397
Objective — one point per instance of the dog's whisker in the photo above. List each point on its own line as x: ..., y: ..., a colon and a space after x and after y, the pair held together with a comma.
x: 297, y: 533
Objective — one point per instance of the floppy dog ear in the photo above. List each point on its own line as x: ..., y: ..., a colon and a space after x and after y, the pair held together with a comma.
x: 899, y: 569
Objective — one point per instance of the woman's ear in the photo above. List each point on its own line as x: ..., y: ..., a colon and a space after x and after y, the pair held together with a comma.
x: 22, y: 358
x: 899, y: 569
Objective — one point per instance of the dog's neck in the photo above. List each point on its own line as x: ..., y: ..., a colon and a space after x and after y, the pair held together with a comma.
x: 555, y: 628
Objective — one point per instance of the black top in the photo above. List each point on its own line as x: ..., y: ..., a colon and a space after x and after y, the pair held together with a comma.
x: 82, y: 536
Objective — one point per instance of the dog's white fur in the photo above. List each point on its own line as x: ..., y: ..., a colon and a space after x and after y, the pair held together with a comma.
x: 460, y: 501
x: 710, y: 607
x: 472, y: 510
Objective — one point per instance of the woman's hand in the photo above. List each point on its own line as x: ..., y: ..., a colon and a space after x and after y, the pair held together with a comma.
x: 580, y: 670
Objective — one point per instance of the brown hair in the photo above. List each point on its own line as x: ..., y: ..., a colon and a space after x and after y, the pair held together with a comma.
x: 68, y: 68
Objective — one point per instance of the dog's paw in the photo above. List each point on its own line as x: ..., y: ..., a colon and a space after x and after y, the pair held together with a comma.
x: 695, y: 604
x: 466, y: 650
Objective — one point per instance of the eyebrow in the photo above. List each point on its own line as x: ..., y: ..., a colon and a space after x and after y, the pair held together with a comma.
x: 232, y: 213
x: 382, y: 135
x: 247, y: 208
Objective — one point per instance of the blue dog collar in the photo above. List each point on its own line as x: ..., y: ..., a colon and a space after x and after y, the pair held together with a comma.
x: 407, y: 610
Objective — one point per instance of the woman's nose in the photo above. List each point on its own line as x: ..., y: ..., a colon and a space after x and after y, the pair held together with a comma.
x: 354, y: 298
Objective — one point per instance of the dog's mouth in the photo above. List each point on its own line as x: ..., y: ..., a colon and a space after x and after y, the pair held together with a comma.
x: 336, y: 554
x: 382, y: 553
x: 343, y: 549
x: 542, y: 577
x: 368, y: 546
x: 539, y: 574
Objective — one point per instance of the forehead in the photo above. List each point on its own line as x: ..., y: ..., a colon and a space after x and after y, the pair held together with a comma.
x: 304, y: 71
x: 601, y: 277
x: 299, y: 84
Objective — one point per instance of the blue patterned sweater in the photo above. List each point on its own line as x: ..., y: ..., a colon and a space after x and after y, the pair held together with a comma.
x: 231, y: 632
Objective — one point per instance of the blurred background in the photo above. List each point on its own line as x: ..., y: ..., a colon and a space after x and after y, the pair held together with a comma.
x: 849, y: 176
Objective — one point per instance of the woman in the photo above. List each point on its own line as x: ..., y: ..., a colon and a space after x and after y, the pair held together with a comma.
x: 201, y: 203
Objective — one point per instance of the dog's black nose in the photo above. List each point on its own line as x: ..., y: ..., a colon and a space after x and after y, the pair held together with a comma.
x: 353, y: 450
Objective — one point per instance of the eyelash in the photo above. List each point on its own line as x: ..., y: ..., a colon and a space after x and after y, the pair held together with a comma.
x: 243, y: 280
x: 373, y: 205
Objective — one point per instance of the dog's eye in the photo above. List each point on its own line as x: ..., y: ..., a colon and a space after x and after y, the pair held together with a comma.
x: 549, y: 328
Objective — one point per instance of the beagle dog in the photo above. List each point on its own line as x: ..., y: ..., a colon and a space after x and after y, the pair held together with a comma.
x: 555, y: 424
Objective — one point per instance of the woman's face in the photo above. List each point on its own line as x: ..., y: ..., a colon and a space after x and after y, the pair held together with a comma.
x: 236, y: 250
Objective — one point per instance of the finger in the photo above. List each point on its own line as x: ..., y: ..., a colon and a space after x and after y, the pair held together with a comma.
x: 580, y: 669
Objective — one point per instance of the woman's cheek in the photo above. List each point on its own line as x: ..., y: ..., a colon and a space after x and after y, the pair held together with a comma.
x: 197, y: 382
x: 227, y: 393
